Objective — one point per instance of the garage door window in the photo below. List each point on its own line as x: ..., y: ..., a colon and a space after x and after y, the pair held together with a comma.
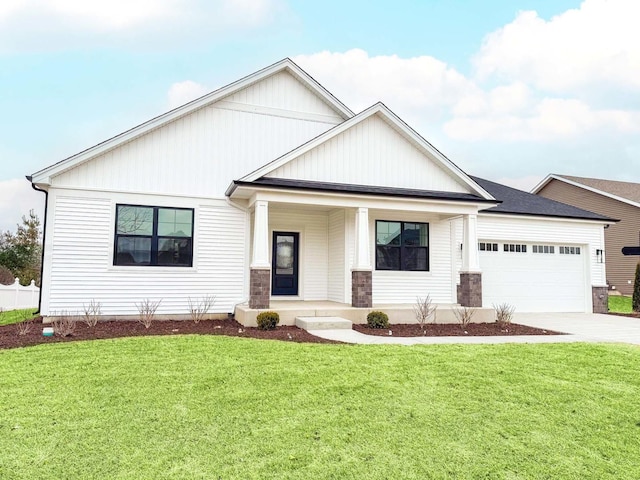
x: 543, y: 249
x: 487, y: 247
x: 569, y: 250
x: 515, y: 247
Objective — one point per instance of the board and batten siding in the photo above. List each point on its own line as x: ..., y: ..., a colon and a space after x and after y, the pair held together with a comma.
x: 201, y: 153
x: 400, y: 287
x: 81, y: 265
x: 313, y: 249
x: 620, y: 268
x: 370, y: 153
x: 499, y: 228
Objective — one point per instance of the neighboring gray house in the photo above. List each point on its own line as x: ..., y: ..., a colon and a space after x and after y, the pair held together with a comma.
x: 620, y: 200
x: 270, y: 189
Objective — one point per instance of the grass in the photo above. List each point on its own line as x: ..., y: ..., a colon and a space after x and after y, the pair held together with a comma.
x: 619, y: 304
x: 218, y: 407
x: 15, y: 316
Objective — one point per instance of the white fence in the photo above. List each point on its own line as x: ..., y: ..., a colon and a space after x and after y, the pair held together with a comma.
x: 16, y: 296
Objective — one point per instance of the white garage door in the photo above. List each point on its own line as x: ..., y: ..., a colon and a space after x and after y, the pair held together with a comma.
x: 534, y: 277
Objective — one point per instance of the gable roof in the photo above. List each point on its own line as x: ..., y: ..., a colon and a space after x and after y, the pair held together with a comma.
x: 398, y: 124
x: 518, y: 202
x: 43, y: 176
x: 626, y: 192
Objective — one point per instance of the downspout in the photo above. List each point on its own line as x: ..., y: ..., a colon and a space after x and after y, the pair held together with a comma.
x: 44, y: 236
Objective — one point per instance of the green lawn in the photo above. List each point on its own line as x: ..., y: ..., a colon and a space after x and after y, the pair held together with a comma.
x: 15, y: 316
x: 619, y: 304
x: 216, y: 407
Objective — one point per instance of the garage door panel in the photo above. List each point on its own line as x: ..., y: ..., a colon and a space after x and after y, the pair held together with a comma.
x: 534, y: 282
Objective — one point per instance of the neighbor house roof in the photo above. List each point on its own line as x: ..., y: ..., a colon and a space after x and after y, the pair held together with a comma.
x: 44, y: 175
x: 517, y: 202
x: 626, y: 192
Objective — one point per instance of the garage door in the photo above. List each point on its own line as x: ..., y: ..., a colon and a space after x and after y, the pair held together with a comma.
x: 534, y: 277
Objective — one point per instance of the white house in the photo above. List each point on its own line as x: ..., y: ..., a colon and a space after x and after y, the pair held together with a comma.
x: 271, y: 189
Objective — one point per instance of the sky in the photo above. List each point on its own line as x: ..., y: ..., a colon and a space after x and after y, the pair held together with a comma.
x: 509, y: 90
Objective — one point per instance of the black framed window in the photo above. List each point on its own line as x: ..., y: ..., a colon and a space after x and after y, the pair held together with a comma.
x: 158, y: 236
x: 402, y: 246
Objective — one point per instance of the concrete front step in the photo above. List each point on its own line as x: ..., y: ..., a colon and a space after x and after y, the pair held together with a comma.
x: 323, y: 323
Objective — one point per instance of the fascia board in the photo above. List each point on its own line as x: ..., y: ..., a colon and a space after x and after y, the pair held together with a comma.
x: 44, y: 175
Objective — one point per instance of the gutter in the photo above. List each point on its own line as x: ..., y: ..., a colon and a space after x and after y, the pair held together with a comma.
x: 44, y: 237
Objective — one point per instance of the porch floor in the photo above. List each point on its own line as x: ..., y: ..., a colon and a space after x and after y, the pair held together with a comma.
x: 398, y: 313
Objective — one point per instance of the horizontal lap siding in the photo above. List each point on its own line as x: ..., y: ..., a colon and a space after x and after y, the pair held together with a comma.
x: 404, y: 287
x: 314, y: 248
x: 336, y: 287
x: 82, y: 260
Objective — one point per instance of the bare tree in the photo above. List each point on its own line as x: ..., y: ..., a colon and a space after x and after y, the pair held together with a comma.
x: 92, y: 312
x: 200, y: 307
x: 464, y: 315
x: 424, y: 310
x: 147, y: 310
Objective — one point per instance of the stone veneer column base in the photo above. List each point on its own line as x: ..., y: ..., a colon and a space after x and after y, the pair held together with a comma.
x: 259, y: 287
x: 361, y: 288
x: 470, y: 290
x: 600, y: 296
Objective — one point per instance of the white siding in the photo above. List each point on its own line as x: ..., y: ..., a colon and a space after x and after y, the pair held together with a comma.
x: 404, y: 287
x: 314, y: 249
x: 82, y: 258
x: 370, y: 153
x: 282, y: 91
x: 201, y: 153
x: 337, y: 257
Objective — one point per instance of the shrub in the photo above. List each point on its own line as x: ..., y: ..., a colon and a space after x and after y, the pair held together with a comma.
x: 424, y: 310
x: 64, y: 324
x: 147, y: 310
x: 268, y: 320
x: 377, y: 319
x: 92, y: 312
x: 464, y: 315
x: 6, y: 277
x: 199, y: 308
x: 635, y: 301
x: 504, y: 314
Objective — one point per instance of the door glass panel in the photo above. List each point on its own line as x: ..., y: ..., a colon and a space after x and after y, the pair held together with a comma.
x: 284, y: 254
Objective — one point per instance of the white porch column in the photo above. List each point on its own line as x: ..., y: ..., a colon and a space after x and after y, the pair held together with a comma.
x: 362, y: 260
x: 260, y: 257
x: 470, y: 260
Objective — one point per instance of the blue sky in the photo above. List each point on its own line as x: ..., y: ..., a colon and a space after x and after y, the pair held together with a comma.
x: 509, y: 90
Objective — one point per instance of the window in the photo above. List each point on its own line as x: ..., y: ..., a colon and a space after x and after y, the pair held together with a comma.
x: 153, y: 236
x: 487, y: 247
x: 543, y: 249
x: 402, y: 246
x: 569, y: 250
x: 515, y: 247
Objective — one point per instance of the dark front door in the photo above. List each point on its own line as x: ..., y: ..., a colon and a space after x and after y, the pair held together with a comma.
x: 284, y: 270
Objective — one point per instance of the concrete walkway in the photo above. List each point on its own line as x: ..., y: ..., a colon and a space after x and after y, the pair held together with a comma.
x: 581, y: 327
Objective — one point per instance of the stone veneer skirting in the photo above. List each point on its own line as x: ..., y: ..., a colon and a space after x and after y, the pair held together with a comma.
x: 470, y: 290
x: 600, y: 296
x: 361, y: 288
x: 259, y: 288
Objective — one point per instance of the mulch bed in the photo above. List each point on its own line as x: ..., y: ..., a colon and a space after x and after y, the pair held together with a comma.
x: 9, y: 337
x: 454, y: 330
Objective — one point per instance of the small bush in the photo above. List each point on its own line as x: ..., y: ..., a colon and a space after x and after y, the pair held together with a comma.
x: 464, y: 315
x: 377, y: 319
x: 504, y: 314
x: 147, y: 310
x: 268, y: 320
x: 6, y: 277
x: 198, y: 309
x: 64, y: 324
x: 92, y: 312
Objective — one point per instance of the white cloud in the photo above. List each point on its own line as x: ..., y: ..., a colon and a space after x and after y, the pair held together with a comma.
x: 16, y: 199
x: 40, y: 25
x: 183, y: 92
x: 418, y: 84
x: 596, y: 44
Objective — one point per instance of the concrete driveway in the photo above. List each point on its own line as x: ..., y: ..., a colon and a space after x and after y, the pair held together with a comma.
x: 589, y: 326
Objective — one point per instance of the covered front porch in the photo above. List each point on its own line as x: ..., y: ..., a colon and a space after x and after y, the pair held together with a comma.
x: 398, y: 313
